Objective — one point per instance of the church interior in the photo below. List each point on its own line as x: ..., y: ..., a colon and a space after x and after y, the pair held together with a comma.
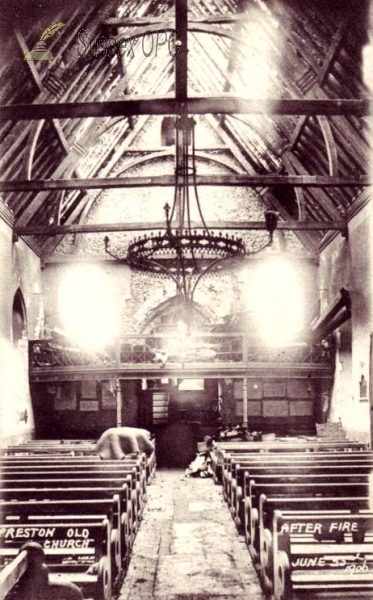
x: 185, y: 250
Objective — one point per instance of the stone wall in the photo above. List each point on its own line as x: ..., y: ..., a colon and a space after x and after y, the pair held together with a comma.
x: 19, y: 270
x: 348, y: 263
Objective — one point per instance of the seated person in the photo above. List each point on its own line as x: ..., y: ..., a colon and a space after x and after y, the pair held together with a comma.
x: 116, y: 442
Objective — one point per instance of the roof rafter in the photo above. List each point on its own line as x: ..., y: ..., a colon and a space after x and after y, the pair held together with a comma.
x: 53, y: 230
x: 225, y: 104
x: 302, y: 181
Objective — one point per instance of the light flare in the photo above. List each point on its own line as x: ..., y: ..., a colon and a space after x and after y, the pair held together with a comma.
x: 276, y: 301
x: 88, y: 308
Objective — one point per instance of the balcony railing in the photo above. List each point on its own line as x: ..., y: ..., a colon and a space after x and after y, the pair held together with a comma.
x: 163, y: 349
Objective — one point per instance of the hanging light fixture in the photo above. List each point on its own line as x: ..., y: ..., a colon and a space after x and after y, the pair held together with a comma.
x: 183, y: 253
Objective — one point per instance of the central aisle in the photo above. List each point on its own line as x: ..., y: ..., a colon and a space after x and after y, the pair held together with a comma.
x: 187, y: 547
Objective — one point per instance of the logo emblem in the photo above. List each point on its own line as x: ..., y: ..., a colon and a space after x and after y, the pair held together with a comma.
x: 40, y: 50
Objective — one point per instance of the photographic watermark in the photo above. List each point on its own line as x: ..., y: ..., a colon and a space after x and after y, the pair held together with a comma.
x: 40, y: 50
x: 151, y: 42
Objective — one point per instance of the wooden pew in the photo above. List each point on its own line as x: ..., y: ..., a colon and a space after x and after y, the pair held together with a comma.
x: 235, y: 487
x: 234, y: 472
x: 74, y: 552
x: 309, y: 565
x: 40, y: 476
x: 88, y: 480
x: 217, y: 455
x: 79, y: 470
x: 232, y: 460
x: 73, y: 449
x: 299, y: 506
x: 124, y: 534
x: 307, y: 487
x: 28, y: 573
x: 54, y: 442
x: 60, y: 460
x: 127, y: 479
x: 77, y: 511
x: 292, y: 475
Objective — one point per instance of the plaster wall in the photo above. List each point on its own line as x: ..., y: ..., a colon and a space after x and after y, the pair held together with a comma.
x: 348, y: 263
x: 19, y: 269
x: 135, y: 296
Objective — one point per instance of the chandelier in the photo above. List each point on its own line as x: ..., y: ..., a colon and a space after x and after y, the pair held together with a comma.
x: 184, y: 253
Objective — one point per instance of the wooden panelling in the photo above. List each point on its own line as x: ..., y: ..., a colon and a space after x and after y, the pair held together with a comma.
x: 254, y: 408
x: 300, y: 388
x: 160, y: 407
x: 255, y: 390
x: 274, y: 389
x: 301, y: 408
x: 278, y: 408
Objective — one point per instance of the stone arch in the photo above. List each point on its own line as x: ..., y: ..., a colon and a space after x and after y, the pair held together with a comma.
x: 166, y: 315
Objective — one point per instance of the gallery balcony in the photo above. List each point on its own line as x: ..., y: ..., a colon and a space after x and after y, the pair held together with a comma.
x: 159, y: 355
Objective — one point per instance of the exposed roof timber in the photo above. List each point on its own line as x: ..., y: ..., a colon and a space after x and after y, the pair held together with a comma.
x: 170, y: 152
x: 333, y: 51
x: 303, y: 181
x: 38, y: 82
x: 322, y: 198
x: 304, y: 237
x: 142, y: 149
x: 157, y: 21
x: 223, y: 104
x: 84, y: 205
x: 181, y: 58
x: 7, y: 217
x: 299, y: 192
x: 298, y: 130
x: 322, y: 74
x: 364, y: 198
x: 51, y: 230
x: 31, y: 147
x: 233, y: 51
x: 331, y: 146
x: 30, y: 63
x: 170, y: 26
x: 104, y: 167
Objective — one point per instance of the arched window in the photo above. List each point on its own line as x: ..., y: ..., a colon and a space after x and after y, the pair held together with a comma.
x: 19, y: 318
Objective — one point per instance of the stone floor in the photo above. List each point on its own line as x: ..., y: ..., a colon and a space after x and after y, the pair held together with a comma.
x: 187, y: 547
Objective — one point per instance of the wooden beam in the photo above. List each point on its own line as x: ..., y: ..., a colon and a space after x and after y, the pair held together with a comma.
x: 322, y: 75
x: 181, y: 58
x: 232, y: 58
x: 299, y: 192
x: 160, y: 21
x: 322, y: 198
x: 51, y: 230
x: 333, y: 51
x: 151, y: 149
x: 302, y: 181
x: 181, y: 370
x: 330, y: 144
x: 39, y: 84
x: 30, y: 63
x: 223, y: 104
x: 31, y: 147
